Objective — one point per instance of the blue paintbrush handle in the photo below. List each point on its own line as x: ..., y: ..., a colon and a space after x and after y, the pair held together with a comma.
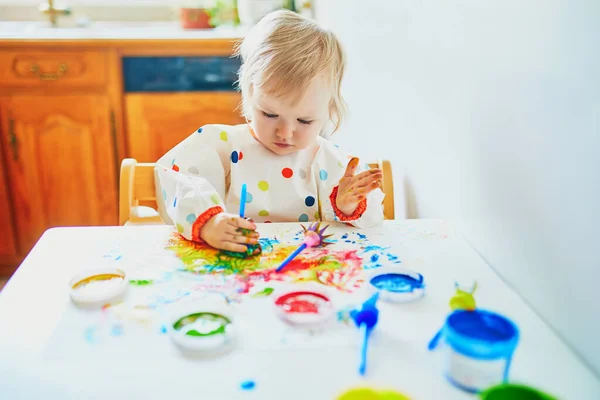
x: 243, y: 201
x: 365, y: 331
x: 290, y: 257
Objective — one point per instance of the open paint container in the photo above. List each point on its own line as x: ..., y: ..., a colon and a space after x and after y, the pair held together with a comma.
x: 202, y: 329
x: 98, y: 286
x: 511, y: 391
x: 307, y: 306
x: 479, y: 348
x: 396, y: 285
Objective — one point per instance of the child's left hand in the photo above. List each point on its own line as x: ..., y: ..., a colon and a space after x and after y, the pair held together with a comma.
x: 354, y: 188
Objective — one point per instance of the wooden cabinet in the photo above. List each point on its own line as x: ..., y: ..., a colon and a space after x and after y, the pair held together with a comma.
x: 60, y: 162
x: 158, y: 121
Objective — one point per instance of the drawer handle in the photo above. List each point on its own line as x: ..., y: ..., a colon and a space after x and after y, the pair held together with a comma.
x: 49, y: 76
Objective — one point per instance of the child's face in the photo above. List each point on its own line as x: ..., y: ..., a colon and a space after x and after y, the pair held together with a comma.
x: 285, y: 128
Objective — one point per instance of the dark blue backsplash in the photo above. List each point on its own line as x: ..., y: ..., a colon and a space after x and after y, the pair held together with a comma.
x: 179, y: 74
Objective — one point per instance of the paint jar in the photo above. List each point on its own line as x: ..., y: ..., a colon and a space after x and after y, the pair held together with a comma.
x: 304, y: 305
x: 514, y: 392
x: 479, y: 346
x: 98, y: 286
x: 396, y: 285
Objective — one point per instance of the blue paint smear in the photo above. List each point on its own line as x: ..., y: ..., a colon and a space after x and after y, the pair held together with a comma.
x: 362, y: 235
x: 248, y: 385
x: 374, y: 258
x: 373, y: 247
x: 163, y: 329
x: 397, y: 283
x: 89, y: 334
x: 345, y: 236
x: 267, y: 244
x: 117, y: 330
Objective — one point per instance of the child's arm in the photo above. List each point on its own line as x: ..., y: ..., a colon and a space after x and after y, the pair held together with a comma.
x: 352, y: 194
x: 192, y: 178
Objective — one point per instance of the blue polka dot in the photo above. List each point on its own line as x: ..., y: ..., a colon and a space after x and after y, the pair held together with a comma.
x: 164, y: 195
x: 323, y: 175
x: 173, y: 162
x: 309, y: 201
x: 175, y: 202
x: 249, y: 197
x: 199, y: 130
x: 234, y: 157
x: 303, y: 218
x: 191, y: 218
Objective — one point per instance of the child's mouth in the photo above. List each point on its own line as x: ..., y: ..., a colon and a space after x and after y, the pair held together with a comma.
x: 283, y: 145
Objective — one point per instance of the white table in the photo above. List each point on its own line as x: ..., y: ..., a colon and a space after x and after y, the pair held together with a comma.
x: 43, y: 352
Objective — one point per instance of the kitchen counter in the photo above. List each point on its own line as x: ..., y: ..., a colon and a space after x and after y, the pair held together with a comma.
x: 107, y: 32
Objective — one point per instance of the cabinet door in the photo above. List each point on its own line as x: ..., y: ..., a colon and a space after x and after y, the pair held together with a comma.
x: 8, y: 243
x: 158, y: 121
x: 61, y: 162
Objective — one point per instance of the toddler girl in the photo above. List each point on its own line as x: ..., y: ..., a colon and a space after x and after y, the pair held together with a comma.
x: 290, y: 81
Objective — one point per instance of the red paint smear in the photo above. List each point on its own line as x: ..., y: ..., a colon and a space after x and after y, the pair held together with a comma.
x: 291, y: 304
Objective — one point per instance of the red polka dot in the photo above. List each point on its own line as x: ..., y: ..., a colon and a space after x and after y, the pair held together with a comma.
x: 287, y: 172
x: 241, y: 155
x: 175, y: 167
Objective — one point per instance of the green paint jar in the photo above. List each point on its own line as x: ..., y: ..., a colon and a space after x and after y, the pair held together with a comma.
x: 510, y: 391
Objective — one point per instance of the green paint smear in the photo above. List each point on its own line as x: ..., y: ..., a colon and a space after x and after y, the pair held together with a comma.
x: 213, y: 317
x: 141, y: 282
x: 265, y: 292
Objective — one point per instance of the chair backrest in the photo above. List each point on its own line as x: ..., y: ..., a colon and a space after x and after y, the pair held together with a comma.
x: 137, y: 192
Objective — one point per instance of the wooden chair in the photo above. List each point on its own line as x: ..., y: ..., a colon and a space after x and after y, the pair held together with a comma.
x: 137, y: 193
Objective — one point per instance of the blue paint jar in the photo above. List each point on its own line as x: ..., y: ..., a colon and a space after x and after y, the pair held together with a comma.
x: 479, y: 348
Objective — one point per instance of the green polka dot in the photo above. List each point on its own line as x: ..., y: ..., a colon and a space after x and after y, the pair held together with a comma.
x: 264, y: 186
x: 215, y: 199
x: 223, y: 136
x: 263, y: 213
x: 179, y: 228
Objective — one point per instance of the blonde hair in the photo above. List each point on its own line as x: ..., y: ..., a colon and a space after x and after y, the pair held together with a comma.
x: 283, y: 53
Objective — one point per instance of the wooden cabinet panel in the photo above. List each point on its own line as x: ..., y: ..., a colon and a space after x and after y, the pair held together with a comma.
x: 158, y: 121
x: 28, y: 68
x: 8, y: 243
x: 61, y: 164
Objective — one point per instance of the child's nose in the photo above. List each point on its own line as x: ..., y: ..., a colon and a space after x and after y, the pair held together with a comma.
x: 285, y: 131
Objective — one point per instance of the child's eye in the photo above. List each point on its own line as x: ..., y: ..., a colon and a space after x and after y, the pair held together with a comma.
x: 270, y: 115
x: 305, y: 122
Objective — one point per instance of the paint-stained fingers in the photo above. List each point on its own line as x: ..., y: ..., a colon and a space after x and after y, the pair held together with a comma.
x: 351, y: 168
x: 238, y: 222
x: 368, y: 188
x: 367, y: 177
x: 243, y: 239
x: 230, y: 246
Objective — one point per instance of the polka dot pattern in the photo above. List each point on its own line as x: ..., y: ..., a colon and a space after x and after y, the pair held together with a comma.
x: 164, y: 195
x: 287, y: 173
x: 303, y: 218
x: 240, y: 155
x: 191, y: 218
x: 179, y: 228
x: 193, y: 170
x: 234, y: 157
x: 263, y: 213
x: 309, y: 201
x: 215, y: 199
x: 175, y: 167
x: 249, y: 197
x: 175, y: 202
x: 263, y: 185
x: 223, y: 136
x: 323, y: 175
x: 199, y: 130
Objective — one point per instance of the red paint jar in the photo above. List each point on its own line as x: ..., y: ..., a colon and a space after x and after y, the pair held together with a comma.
x: 194, y: 18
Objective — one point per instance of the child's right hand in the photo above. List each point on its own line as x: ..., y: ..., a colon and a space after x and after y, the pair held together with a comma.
x: 223, y: 232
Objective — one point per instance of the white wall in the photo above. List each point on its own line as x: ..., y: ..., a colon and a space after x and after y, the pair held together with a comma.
x: 492, y: 111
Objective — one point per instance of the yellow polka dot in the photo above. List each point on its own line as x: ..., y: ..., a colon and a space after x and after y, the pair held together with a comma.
x: 263, y: 213
x: 215, y: 199
x: 223, y: 136
x: 264, y: 186
x: 179, y: 228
